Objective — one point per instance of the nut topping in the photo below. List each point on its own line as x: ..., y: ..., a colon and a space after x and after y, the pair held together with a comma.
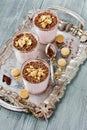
x: 43, y: 24
x: 24, y: 40
x: 35, y: 71
x: 45, y: 20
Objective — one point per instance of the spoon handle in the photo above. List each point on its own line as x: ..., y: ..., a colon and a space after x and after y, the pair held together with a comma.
x: 52, y: 72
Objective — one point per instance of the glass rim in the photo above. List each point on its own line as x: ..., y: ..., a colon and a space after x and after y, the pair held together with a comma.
x: 30, y: 60
x: 36, y: 14
x: 25, y: 32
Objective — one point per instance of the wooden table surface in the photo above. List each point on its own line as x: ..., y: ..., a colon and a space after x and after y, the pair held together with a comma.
x: 71, y: 112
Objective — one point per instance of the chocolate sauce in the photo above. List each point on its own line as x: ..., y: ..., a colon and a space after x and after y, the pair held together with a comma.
x: 50, y: 52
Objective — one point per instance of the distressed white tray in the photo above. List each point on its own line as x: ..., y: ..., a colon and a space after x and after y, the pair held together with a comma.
x: 42, y: 106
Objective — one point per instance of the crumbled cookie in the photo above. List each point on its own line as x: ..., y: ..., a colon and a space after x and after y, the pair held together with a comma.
x: 56, y: 74
x: 45, y: 20
x: 24, y: 40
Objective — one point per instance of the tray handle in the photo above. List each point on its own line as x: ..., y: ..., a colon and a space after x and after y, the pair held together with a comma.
x: 70, y: 12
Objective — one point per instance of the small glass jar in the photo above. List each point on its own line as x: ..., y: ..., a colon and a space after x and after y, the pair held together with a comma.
x: 46, y: 35
x: 22, y: 56
x: 36, y: 88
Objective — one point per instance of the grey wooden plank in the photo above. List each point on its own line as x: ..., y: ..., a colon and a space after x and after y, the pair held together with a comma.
x: 84, y: 13
x: 16, y: 121
x: 84, y: 10
x: 71, y: 4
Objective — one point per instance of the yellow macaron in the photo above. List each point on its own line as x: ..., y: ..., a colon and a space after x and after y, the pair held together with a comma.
x: 24, y: 93
x: 59, y: 39
x: 62, y: 62
x: 65, y: 51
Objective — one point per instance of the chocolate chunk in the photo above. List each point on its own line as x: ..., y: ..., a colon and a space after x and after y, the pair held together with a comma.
x: 6, y: 79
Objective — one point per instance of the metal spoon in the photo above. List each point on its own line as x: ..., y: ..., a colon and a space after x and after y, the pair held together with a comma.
x: 50, y: 56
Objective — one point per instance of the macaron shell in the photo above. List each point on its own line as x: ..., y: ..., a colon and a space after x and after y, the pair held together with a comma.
x: 65, y: 51
x: 24, y: 93
x: 62, y: 62
x: 60, y: 39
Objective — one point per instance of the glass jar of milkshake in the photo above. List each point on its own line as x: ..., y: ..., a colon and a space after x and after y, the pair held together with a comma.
x: 45, y: 25
x: 25, y: 46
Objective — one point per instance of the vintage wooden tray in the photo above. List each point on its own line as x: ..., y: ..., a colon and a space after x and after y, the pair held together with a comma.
x: 42, y: 106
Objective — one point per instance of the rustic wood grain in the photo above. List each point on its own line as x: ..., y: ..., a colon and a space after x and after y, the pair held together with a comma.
x: 71, y: 112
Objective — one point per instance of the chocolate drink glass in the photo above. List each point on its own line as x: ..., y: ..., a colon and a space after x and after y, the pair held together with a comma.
x: 27, y: 46
x: 32, y: 68
x: 47, y: 29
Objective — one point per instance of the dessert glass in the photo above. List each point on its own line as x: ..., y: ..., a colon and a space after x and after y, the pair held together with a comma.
x: 46, y: 35
x: 23, y: 55
x: 38, y: 87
